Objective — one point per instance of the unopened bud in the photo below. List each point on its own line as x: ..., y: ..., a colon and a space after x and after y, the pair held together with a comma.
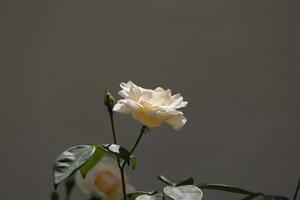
x: 109, y: 101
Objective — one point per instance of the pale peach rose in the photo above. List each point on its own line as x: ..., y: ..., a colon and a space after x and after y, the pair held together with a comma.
x: 103, y: 181
x: 151, y: 107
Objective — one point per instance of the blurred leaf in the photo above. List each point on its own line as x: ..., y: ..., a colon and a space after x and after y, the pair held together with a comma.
x: 97, y: 156
x: 118, y: 151
x: 132, y: 162
x: 69, y: 161
x: 225, y: 188
x: 166, y: 180
x: 69, y: 185
x: 94, y: 198
x: 158, y: 196
x: 54, y: 196
x: 185, y: 192
x: 70, y: 182
x: 189, y: 181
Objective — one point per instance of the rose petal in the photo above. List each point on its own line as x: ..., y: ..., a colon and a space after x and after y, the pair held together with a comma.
x: 177, y: 121
x: 121, y: 107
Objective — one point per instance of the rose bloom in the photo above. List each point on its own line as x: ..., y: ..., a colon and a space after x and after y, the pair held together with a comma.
x: 151, y: 107
x: 103, y: 181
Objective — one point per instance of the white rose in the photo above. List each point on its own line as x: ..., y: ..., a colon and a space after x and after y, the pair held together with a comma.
x: 151, y: 107
x: 103, y: 181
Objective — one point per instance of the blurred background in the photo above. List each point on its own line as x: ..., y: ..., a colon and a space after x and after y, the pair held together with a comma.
x: 236, y: 62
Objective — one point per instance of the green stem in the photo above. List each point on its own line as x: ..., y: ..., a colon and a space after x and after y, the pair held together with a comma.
x: 297, y: 189
x: 113, y: 126
x: 138, y: 139
x: 123, y: 181
x: 118, y: 160
x: 122, y: 165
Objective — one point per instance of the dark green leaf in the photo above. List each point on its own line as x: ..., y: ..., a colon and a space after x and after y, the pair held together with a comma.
x: 185, y: 192
x: 189, y: 181
x: 97, y: 156
x: 225, y: 188
x: 132, y: 162
x: 54, y: 196
x: 70, y: 161
x: 118, y: 151
x: 166, y: 180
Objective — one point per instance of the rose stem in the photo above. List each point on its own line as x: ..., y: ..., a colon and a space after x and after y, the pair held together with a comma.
x: 113, y: 126
x: 118, y: 160
x: 297, y: 189
x: 138, y: 139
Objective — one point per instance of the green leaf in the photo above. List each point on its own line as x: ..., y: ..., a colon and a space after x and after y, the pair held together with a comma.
x: 189, y: 181
x: 166, y: 180
x: 134, y: 195
x: 97, y: 156
x: 70, y: 161
x: 185, y: 192
x: 132, y: 162
x: 118, y: 151
x: 225, y: 188
x: 158, y: 196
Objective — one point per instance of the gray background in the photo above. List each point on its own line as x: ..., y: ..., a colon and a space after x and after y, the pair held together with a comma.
x: 236, y: 62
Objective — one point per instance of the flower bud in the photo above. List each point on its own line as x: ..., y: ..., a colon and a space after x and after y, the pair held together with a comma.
x: 109, y: 101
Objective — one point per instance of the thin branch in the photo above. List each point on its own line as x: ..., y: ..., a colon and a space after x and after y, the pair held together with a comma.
x: 121, y: 167
x: 297, y: 190
x: 138, y: 139
x: 113, y: 127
